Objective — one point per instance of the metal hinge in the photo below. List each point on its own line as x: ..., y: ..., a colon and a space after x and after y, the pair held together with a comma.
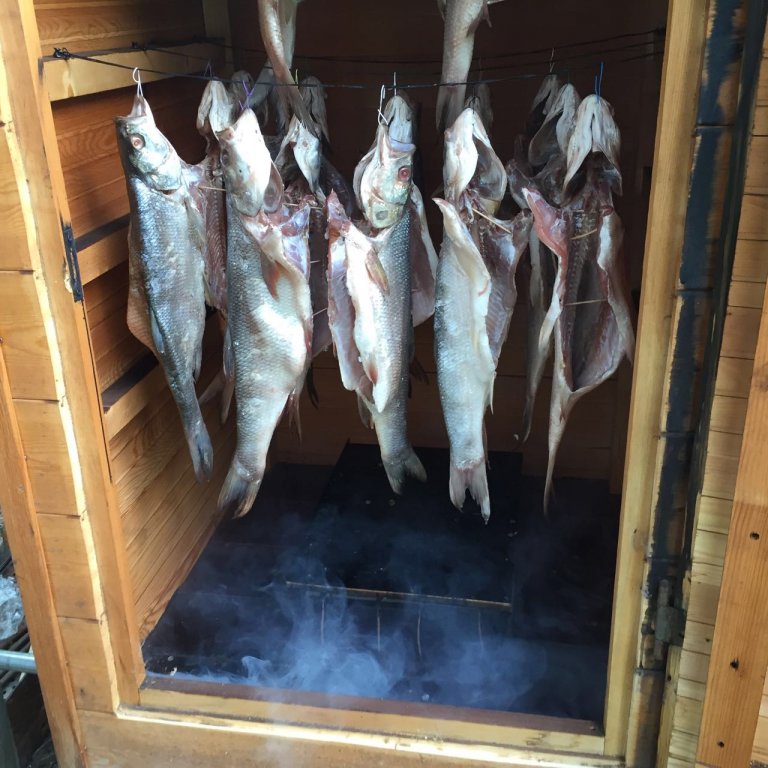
x: 670, y: 620
x: 73, y: 266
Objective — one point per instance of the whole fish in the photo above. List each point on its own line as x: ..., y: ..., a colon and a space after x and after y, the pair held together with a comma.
x: 590, y: 314
x: 166, y: 302
x: 547, y: 151
x: 277, y: 21
x: 270, y: 313
x: 476, y: 296
x: 462, y: 18
x: 376, y: 273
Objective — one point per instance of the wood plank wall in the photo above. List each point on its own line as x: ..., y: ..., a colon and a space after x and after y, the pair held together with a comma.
x: 166, y: 517
x: 594, y: 443
x: 745, y: 300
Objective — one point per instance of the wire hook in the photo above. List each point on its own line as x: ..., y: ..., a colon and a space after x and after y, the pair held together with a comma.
x: 137, y: 79
x: 394, y: 83
x: 599, y: 81
x: 209, y: 69
x: 382, y: 94
x: 552, y: 61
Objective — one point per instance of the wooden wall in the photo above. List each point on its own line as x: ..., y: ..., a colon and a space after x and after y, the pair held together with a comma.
x: 411, y: 34
x: 166, y: 517
x: 713, y: 512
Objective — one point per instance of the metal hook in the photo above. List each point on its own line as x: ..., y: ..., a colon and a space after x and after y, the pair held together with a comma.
x: 551, y: 61
x: 296, y: 76
x: 209, y: 69
x: 394, y: 83
x: 137, y: 79
x: 382, y: 94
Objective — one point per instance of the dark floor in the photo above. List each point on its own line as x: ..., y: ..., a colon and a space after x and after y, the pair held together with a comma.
x: 332, y: 583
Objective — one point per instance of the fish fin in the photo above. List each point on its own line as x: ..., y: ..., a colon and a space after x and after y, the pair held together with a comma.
x: 137, y: 315
x: 470, y: 478
x: 213, y: 389
x: 365, y: 411
x: 198, y: 363
x: 226, y: 398
x: 423, y: 262
x: 228, y: 355
x: 405, y: 464
x: 239, y: 490
x: 441, y: 6
x: 157, y: 334
x: 292, y: 406
x: 371, y: 371
x: 273, y: 194
x: 376, y: 271
x: 271, y: 271
x: 200, y: 451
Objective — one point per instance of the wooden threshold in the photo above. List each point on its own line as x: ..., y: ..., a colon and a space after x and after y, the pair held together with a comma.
x: 67, y: 78
x: 303, y: 709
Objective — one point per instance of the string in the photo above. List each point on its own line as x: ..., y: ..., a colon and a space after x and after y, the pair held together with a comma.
x: 64, y: 54
x: 599, y: 81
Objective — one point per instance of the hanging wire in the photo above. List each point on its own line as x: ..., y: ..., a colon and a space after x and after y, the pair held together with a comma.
x: 64, y: 54
x: 599, y: 81
x: 136, y: 74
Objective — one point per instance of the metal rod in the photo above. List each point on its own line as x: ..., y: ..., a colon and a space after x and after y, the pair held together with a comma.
x: 15, y: 661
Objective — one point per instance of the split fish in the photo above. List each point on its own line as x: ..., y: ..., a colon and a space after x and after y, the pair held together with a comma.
x: 590, y: 314
x: 476, y: 296
x: 270, y: 312
x: 462, y: 18
x: 166, y: 300
x: 555, y: 116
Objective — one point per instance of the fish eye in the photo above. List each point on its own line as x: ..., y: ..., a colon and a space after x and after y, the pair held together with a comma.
x: 137, y: 142
x: 404, y: 173
x: 224, y: 157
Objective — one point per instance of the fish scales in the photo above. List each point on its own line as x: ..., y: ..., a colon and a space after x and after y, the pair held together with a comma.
x: 166, y: 302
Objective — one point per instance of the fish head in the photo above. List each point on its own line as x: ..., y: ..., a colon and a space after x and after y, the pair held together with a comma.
x: 542, y: 103
x: 301, y: 148
x: 217, y: 107
x: 249, y: 173
x: 553, y: 136
x: 399, y: 117
x: 314, y: 96
x: 470, y: 163
x: 479, y: 101
x: 595, y: 136
x: 386, y: 181
x: 145, y: 150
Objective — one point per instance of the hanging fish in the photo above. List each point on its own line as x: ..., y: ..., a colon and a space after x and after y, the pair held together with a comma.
x: 376, y: 271
x: 166, y: 299
x: 277, y: 21
x: 270, y: 311
x: 547, y: 152
x: 590, y: 314
x: 476, y: 296
x: 462, y: 17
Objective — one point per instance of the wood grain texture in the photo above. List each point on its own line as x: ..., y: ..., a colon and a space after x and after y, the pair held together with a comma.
x: 739, y: 650
x: 15, y: 251
x: 24, y: 339
x: 103, y: 255
x: 90, y: 26
x: 34, y: 580
x: 201, y: 742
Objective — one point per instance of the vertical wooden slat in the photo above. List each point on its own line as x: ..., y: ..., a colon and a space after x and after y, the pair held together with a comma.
x: 739, y: 649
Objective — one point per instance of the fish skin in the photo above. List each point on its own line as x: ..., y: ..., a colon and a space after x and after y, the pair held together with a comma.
x: 542, y: 101
x: 270, y: 311
x: 553, y: 137
x: 475, y: 298
x: 462, y: 17
x: 270, y: 325
x: 167, y: 291
x: 277, y: 22
x: 593, y: 334
x: 383, y: 336
x: 313, y: 93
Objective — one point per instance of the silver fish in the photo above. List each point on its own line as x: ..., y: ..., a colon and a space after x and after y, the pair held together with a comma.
x: 270, y: 312
x: 476, y: 297
x: 462, y: 18
x: 166, y: 303
x: 277, y: 21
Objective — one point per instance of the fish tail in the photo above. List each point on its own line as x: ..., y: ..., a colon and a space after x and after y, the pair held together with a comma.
x: 227, y: 393
x: 239, y: 490
x: 527, y: 416
x: 200, y: 450
x: 470, y: 478
x: 405, y: 464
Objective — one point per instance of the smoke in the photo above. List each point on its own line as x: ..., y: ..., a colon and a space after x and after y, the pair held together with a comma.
x: 367, y: 595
